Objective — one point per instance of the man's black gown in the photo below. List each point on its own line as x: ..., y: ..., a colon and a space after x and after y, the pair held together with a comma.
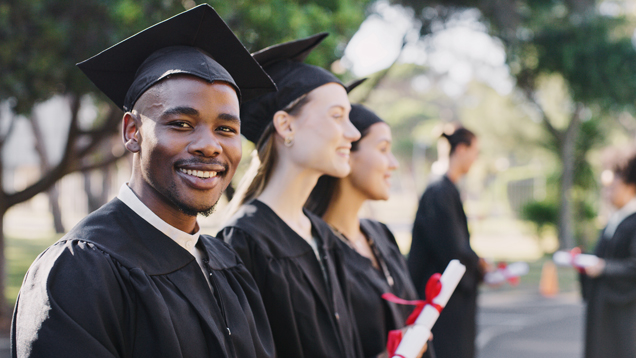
x: 375, y: 317
x: 440, y: 234
x: 115, y: 286
x: 611, y: 298
x: 308, y: 310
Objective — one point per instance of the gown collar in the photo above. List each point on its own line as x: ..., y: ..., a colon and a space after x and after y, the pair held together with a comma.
x: 617, y: 218
x: 185, y: 240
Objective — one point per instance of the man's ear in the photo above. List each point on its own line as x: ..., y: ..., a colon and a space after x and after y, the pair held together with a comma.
x: 283, y: 123
x: 130, y: 132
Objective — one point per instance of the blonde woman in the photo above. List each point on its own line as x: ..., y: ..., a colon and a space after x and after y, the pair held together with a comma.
x: 301, y: 132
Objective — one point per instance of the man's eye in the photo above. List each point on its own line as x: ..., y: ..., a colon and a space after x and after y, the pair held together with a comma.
x: 181, y: 124
x: 227, y: 129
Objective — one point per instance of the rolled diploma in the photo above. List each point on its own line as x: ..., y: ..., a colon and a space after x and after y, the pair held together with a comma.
x: 564, y: 258
x: 417, y: 335
x: 515, y: 269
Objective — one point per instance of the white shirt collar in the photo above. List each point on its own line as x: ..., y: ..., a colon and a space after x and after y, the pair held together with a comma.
x: 185, y: 240
x: 618, y: 217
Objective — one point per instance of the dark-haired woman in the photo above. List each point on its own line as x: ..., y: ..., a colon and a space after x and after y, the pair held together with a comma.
x: 440, y: 234
x: 301, y: 132
x: 373, y: 262
x: 610, y: 286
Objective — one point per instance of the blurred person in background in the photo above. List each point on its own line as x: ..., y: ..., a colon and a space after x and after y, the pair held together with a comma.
x: 440, y: 234
x: 301, y: 132
x: 609, y: 287
x: 373, y: 262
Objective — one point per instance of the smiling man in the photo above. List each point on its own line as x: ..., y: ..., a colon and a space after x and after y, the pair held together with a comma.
x: 135, y: 278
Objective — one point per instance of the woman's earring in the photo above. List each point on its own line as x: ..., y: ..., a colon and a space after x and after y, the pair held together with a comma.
x: 289, y: 141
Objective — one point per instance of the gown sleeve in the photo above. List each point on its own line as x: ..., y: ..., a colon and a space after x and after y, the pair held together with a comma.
x: 623, y: 268
x: 268, y: 275
x: 72, y: 304
x: 238, y: 241
x: 438, y: 224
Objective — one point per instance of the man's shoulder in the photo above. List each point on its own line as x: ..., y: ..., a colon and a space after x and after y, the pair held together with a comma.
x: 107, y: 221
x: 221, y: 254
x: 128, y: 239
x: 66, y: 263
x: 85, y: 237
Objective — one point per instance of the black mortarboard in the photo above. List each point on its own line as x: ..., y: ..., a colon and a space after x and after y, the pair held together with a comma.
x: 284, y: 64
x: 195, y: 42
x: 351, y: 86
x: 362, y: 118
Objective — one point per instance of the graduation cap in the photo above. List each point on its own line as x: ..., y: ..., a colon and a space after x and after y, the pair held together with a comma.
x: 284, y: 64
x: 351, y: 86
x: 362, y: 118
x: 196, y: 42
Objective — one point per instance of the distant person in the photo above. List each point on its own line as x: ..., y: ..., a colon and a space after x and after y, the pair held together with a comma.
x: 610, y: 286
x: 440, y: 234
x: 135, y: 278
x: 372, y: 259
x: 301, y: 132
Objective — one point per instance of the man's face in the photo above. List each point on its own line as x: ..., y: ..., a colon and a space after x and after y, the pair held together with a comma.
x: 187, y: 132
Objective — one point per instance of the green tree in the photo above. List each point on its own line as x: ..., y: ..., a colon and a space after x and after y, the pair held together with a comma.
x: 43, y: 39
x: 591, y: 53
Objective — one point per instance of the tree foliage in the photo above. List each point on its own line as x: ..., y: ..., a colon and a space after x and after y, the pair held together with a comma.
x: 591, y: 52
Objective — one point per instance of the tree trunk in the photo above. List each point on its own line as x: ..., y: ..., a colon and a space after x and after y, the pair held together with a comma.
x: 5, y: 311
x: 54, y: 203
x: 95, y: 201
x: 107, y: 183
x: 567, y: 148
x: 45, y: 166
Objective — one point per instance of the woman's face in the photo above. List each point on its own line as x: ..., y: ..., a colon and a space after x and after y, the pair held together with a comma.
x: 467, y: 154
x: 372, y: 163
x: 323, y: 133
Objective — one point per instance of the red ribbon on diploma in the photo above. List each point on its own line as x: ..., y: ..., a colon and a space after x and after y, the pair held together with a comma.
x: 513, y: 280
x: 395, y: 337
x: 433, y: 288
x: 573, y: 253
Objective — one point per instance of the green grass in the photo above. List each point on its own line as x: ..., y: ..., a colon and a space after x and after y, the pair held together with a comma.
x: 20, y: 253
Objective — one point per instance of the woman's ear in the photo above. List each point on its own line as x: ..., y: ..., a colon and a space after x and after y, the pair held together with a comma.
x: 283, y: 123
x: 130, y: 132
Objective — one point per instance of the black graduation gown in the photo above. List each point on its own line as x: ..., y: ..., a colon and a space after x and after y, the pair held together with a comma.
x: 115, y: 286
x: 610, y: 329
x: 307, y: 317
x: 440, y: 234
x: 375, y: 317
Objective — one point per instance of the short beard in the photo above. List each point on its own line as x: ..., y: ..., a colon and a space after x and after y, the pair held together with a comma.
x: 171, y: 194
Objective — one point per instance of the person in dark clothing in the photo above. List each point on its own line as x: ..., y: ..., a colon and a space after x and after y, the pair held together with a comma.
x: 610, y: 286
x: 373, y: 262
x: 440, y: 234
x: 301, y: 132
x: 135, y: 278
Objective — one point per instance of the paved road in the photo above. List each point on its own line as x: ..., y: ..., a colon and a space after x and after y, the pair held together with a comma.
x: 518, y: 325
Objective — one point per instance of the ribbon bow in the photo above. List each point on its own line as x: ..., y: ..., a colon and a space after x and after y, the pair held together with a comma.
x: 513, y: 280
x: 433, y: 288
x: 573, y: 254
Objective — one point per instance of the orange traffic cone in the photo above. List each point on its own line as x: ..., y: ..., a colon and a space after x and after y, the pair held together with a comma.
x: 549, y: 284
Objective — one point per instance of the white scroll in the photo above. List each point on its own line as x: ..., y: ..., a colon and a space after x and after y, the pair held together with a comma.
x: 507, y: 273
x: 417, y: 335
